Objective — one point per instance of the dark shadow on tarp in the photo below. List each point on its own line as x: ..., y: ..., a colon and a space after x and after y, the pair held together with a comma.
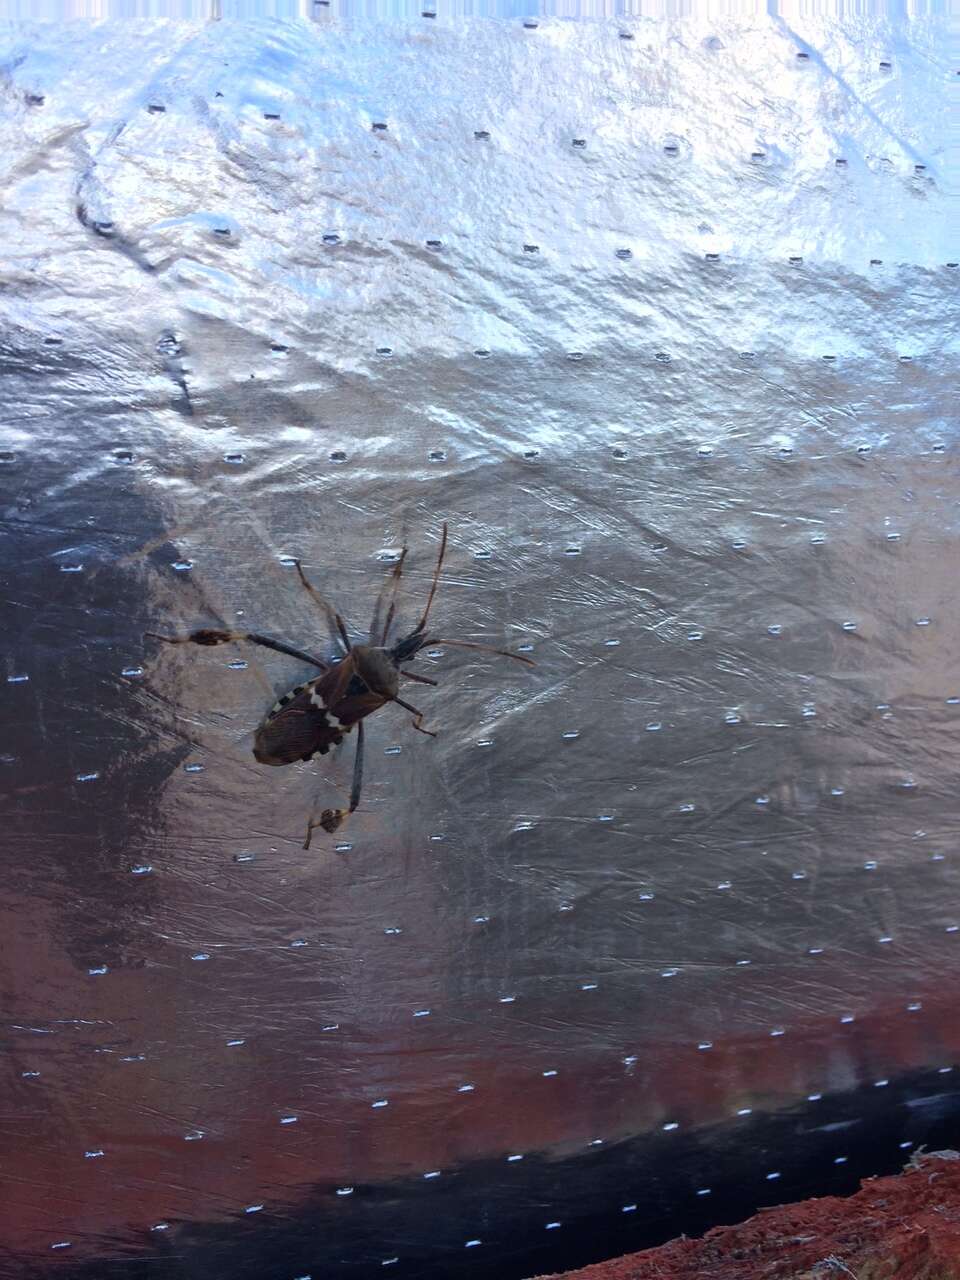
x: 419, y: 1230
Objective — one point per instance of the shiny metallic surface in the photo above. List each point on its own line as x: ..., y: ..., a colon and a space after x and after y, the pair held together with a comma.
x: 660, y: 316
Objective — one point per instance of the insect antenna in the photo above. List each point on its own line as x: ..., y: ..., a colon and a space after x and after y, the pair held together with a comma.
x: 334, y: 621
x: 487, y: 648
x: 378, y: 634
x: 412, y: 675
x: 436, y: 582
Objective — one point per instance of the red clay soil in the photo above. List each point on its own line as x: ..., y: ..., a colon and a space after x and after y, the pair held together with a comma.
x: 900, y: 1228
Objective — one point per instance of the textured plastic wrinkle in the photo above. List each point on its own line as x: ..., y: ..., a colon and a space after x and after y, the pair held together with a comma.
x: 660, y: 317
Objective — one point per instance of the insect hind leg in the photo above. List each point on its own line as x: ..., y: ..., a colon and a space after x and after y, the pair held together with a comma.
x: 212, y: 636
x: 332, y: 820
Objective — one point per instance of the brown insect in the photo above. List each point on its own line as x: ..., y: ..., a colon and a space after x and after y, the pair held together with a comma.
x: 315, y: 716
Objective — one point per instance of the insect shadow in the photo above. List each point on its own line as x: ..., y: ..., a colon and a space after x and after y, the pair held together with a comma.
x: 315, y: 716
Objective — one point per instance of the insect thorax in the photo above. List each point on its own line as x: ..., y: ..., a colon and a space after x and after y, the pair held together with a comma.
x: 377, y: 669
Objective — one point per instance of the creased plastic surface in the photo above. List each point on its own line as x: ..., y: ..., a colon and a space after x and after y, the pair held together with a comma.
x: 665, y: 327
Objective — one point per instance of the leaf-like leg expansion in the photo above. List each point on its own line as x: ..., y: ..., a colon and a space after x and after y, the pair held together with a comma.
x: 411, y: 675
x: 210, y: 636
x: 332, y: 819
x: 417, y: 716
x: 378, y: 634
x: 334, y: 621
x: 472, y: 644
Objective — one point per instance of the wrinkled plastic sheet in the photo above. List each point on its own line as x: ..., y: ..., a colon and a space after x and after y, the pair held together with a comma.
x: 660, y: 316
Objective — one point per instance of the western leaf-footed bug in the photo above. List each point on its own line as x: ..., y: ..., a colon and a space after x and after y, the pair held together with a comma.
x: 315, y: 716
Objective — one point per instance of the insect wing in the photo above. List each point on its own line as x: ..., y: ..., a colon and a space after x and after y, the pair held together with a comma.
x: 355, y: 706
x: 300, y: 727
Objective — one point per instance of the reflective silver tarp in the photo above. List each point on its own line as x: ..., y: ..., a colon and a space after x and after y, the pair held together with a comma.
x: 660, y: 316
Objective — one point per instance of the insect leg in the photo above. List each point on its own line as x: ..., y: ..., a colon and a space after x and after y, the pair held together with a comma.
x: 332, y: 819
x: 378, y: 634
x: 419, y: 679
x: 436, y: 579
x: 209, y: 636
x: 334, y: 621
x: 417, y: 716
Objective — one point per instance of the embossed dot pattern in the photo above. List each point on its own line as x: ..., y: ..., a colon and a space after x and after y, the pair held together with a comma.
x: 678, y: 373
